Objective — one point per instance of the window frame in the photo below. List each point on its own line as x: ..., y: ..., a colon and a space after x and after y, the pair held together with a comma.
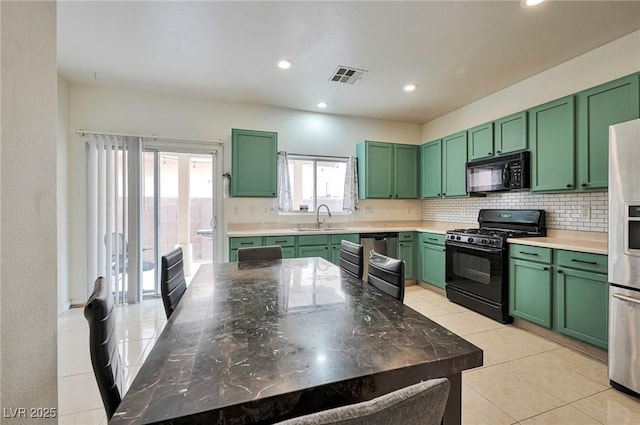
x: 315, y: 159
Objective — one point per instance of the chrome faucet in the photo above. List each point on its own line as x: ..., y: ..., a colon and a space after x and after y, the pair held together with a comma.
x: 318, y: 222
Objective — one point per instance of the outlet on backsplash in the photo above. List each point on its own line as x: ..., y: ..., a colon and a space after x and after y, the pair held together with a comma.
x: 585, y: 212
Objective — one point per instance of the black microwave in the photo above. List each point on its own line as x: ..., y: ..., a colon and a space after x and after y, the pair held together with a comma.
x: 507, y: 172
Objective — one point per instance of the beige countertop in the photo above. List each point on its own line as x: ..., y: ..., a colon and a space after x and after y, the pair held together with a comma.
x: 593, y: 242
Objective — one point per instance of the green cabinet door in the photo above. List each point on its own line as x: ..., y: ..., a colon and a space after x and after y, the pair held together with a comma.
x: 530, y: 291
x: 253, y: 163
x: 583, y: 305
x: 511, y: 133
x: 454, y: 154
x: 314, y: 251
x: 596, y: 109
x: 552, y: 138
x: 406, y: 252
x: 431, y: 170
x: 335, y: 254
x: 480, y: 141
x: 375, y: 170
x: 432, y: 266
x: 405, y: 164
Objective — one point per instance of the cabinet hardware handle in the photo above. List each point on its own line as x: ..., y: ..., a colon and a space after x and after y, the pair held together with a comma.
x: 246, y: 243
x: 528, y: 253
x: 490, y: 153
x: 444, y: 194
x: 498, y: 151
x: 281, y: 241
x: 390, y: 196
x: 569, y: 185
x: 545, y: 268
x: 432, y: 239
x: 593, y: 263
x: 438, y: 194
x: 273, y: 193
x: 625, y: 298
x: 443, y: 249
x: 559, y: 271
x: 584, y: 185
x: 396, y: 196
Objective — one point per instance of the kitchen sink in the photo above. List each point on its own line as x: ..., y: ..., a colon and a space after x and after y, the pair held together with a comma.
x: 315, y: 229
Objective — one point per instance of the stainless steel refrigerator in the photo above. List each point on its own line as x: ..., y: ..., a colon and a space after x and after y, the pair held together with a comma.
x: 624, y: 256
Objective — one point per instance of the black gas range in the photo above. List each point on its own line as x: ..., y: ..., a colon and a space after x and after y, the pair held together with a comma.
x: 477, y: 260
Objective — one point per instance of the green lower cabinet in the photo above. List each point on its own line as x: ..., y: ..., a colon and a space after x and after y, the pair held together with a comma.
x: 288, y: 252
x: 406, y: 252
x: 582, y: 305
x: 335, y: 254
x: 314, y: 251
x: 530, y: 291
x: 433, y: 264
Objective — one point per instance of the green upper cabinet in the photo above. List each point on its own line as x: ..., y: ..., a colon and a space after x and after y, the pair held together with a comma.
x: 552, y: 139
x: 454, y: 158
x: 480, y: 141
x: 596, y: 109
x: 510, y: 133
x: 253, y: 163
x: 431, y: 169
x: 405, y: 162
x: 387, y: 170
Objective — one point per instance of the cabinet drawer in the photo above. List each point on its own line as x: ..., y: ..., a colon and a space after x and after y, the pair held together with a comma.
x: 432, y: 238
x: 351, y: 237
x: 309, y: 240
x: 583, y: 261
x: 280, y: 240
x: 531, y: 253
x: 405, y: 236
x: 245, y: 242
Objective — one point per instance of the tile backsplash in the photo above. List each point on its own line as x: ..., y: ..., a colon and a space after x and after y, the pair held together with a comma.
x: 564, y: 211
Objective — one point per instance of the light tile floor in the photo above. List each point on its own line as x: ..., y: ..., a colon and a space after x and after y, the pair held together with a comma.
x: 526, y: 379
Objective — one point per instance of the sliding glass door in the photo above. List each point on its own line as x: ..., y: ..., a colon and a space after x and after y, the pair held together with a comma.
x: 181, y: 208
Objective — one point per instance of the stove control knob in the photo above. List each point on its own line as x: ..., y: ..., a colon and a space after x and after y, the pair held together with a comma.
x: 484, y: 241
x: 492, y: 242
x: 470, y: 240
x: 458, y: 238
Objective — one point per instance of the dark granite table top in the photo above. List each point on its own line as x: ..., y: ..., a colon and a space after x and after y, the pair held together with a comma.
x: 258, y: 342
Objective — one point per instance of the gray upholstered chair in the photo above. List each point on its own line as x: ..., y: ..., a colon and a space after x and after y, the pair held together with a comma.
x: 419, y: 404
x: 172, y: 282
x: 260, y: 253
x: 103, y: 346
x: 387, y: 274
x: 351, y: 258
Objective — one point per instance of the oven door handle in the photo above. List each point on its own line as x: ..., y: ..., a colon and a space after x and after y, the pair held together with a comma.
x: 475, y: 247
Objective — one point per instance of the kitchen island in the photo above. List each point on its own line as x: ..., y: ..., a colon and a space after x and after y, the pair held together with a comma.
x: 260, y: 342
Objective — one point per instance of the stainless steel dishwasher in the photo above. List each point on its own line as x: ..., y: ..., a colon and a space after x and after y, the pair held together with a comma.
x: 382, y: 243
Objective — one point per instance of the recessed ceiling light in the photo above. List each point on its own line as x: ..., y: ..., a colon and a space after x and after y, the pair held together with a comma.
x: 529, y: 3
x: 284, y: 64
x: 322, y: 105
x: 410, y: 87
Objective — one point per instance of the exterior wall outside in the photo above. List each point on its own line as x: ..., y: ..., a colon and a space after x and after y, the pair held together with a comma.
x: 563, y: 211
x: 28, y: 247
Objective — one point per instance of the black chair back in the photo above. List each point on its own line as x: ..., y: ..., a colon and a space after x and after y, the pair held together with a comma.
x: 387, y: 274
x: 103, y: 346
x: 172, y: 281
x: 351, y: 258
x: 260, y: 253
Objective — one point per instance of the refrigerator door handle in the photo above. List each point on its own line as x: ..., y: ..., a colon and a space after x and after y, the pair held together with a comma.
x: 625, y: 298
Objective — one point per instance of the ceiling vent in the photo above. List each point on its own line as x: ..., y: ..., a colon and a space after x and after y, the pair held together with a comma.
x: 344, y: 74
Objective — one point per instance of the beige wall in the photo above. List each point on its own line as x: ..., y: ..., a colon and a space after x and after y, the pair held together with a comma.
x: 616, y: 59
x: 28, y: 271
x: 62, y: 194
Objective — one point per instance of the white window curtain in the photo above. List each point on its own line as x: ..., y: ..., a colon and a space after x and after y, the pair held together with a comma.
x: 114, y: 222
x: 350, y: 202
x: 285, y: 199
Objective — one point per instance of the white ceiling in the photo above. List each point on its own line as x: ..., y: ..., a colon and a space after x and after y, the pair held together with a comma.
x: 456, y: 51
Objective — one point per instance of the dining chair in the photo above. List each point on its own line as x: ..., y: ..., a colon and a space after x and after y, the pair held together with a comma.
x: 270, y: 252
x: 172, y: 282
x: 387, y: 274
x: 351, y: 258
x: 418, y: 404
x: 103, y: 346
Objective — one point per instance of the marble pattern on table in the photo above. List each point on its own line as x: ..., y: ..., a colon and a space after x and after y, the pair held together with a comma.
x: 269, y: 339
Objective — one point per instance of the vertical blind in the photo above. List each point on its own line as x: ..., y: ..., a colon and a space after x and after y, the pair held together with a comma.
x: 114, y: 222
